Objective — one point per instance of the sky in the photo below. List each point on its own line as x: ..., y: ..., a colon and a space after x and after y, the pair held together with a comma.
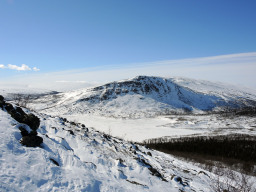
x: 54, y: 41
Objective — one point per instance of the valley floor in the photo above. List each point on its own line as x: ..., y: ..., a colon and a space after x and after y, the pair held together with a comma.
x: 168, y: 126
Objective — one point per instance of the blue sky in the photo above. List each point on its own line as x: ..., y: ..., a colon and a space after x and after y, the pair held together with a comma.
x: 64, y: 35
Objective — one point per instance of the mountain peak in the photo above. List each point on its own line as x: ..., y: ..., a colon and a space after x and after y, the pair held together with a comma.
x: 150, y: 96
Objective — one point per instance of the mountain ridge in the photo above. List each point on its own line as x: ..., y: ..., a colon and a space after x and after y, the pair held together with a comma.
x: 148, y: 96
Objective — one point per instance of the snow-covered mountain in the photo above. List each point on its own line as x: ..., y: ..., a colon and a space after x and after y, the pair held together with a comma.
x: 75, y: 158
x: 146, y: 96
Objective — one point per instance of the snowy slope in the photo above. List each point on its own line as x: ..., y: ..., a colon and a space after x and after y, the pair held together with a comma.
x: 9, y: 90
x: 89, y: 161
x: 145, y: 96
x: 218, y: 89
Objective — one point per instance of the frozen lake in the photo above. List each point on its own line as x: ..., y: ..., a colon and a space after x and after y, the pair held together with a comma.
x: 173, y: 126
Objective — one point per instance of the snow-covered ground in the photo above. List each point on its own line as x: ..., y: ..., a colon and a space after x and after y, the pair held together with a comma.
x: 132, y: 129
x: 220, y: 89
x: 139, y: 108
x: 89, y: 161
x: 173, y: 125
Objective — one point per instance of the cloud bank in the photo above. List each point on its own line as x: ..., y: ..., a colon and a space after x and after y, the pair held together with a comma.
x: 23, y: 67
x: 237, y: 69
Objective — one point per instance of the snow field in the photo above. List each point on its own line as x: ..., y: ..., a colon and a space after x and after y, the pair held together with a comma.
x: 88, y: 161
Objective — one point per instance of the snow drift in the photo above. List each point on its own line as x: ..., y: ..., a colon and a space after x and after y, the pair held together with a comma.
x: 75, y: 158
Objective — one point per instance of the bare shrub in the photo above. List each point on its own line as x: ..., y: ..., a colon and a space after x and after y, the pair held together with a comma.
x: 227, y: 180
x: 22, y: 99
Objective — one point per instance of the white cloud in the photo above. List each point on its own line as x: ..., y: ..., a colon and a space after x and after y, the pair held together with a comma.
x: 238, y: 69
x: 36, y: 69
x: 22, y: 68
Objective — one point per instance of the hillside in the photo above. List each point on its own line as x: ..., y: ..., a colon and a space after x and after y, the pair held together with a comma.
x: 145, y: 96
x: 75, y: 158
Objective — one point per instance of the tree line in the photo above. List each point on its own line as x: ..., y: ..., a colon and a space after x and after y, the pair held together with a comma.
x: 241, y: 147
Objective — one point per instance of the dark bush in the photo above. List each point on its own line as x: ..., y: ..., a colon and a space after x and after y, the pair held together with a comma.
x: 32, y: 121
x: 9, y: 107
x: 2, y: 103
x: 28, y: 139
x: 73, y: 123
x: 23, y: 131
x: 33, y: 133
x: 71, y: 132
x: 31, y: 141
x: 20, y: 111
x: 17, y: 116
x: 106, y: 137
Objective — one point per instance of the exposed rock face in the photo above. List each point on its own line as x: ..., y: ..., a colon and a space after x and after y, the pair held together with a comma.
x: 29, y: 138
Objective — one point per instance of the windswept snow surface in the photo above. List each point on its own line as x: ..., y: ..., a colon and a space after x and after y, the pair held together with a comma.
x: 89, y: 161
x: 218, y: 89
